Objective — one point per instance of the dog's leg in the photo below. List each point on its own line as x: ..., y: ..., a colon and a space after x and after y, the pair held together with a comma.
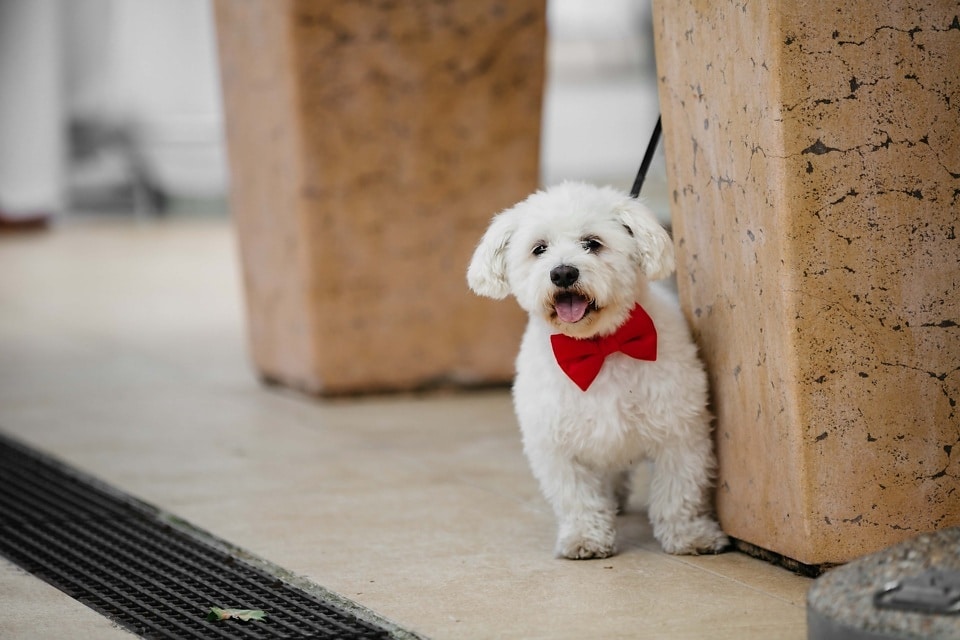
x: 621, y: 489
x: 678, y: 499
x: 584, y: 502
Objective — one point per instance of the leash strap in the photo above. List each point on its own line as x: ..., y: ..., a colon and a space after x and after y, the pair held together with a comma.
x: 647, y: 159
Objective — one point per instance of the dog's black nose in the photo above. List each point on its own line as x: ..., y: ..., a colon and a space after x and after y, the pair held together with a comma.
x: 564, y: 275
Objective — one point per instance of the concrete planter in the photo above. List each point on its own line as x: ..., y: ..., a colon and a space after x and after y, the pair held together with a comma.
x: 369, y: 145
x: 814, y: 159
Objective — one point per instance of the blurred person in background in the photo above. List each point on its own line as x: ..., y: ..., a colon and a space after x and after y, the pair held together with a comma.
x: 32, y: 136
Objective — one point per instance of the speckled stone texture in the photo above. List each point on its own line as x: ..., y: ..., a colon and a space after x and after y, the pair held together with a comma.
x: 370, y: 143
x: 843, y: 599
x: 814, y: 157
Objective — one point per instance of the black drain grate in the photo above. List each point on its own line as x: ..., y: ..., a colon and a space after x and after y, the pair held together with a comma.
x: 120, y: 557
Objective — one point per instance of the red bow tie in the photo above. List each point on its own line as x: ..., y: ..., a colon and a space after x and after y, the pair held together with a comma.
x: 581, y: 360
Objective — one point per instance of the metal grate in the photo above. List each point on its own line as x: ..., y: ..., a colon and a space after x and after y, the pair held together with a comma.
x: 120, y: 557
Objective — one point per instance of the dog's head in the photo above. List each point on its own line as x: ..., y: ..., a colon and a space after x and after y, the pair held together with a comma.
x: 576, y: 254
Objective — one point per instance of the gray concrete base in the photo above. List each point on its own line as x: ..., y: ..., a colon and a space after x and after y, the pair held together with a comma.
x: 840, y: 604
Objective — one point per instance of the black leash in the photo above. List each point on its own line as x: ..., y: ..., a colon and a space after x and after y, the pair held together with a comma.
x: 647, y: 159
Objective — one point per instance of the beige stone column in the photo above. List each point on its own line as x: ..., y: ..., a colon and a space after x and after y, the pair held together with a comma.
x: 369, y: 145
x: 814, y: 157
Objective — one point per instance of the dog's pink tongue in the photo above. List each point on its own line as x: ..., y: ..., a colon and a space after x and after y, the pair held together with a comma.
x: 571, y: 307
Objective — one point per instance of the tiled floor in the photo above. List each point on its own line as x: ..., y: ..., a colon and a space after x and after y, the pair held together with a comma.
x: 122, y: 351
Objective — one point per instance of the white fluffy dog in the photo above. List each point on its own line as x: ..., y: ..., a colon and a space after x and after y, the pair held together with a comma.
x: 579, y: 260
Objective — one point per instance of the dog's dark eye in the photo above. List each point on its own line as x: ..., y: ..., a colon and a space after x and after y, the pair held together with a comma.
x: 539, y: 248
x: 593, y: 245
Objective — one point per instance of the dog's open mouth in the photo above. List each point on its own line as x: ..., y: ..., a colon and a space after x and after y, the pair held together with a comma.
x: 572, y: 307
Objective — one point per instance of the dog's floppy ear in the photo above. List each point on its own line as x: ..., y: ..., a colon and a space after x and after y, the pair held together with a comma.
x: 487, y: 274
x: 654, y: 243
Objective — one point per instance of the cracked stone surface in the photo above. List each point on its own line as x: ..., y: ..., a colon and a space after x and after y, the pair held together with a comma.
x: 814, y: 157
x: 369, y: 146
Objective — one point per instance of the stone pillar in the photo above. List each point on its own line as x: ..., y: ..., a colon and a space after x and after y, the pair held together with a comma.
x: 814, y: 159
x: 369, y: 146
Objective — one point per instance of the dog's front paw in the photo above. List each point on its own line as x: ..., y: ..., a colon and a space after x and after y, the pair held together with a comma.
x: 692, y: 537
x: 590, y: 538
x: 580, y: 548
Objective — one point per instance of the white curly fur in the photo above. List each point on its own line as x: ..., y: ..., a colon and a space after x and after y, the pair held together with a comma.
x: 583, y: 445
